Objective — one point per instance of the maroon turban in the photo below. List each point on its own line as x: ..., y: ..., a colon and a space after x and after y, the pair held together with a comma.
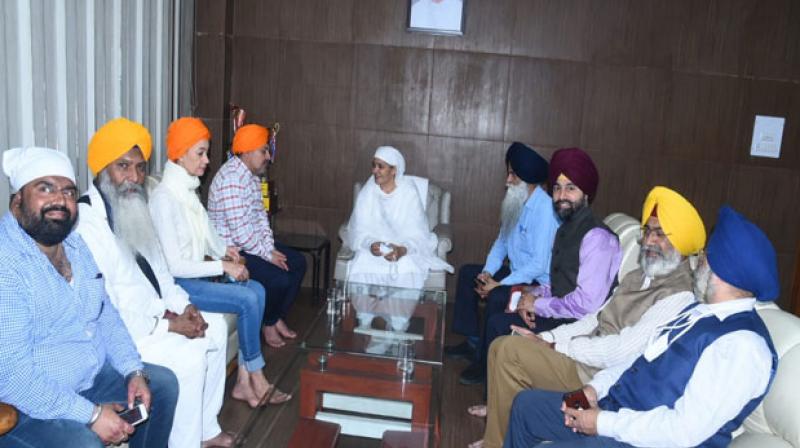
x: 575, y: 164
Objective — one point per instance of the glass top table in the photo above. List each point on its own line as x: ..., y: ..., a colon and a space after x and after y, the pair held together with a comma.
x: 370, y: 361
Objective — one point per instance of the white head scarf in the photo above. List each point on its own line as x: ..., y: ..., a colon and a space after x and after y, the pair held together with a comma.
x: 23, y: 165
x: 392, y: 156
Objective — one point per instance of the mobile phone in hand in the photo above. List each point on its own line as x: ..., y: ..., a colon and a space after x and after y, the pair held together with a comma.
x: 134, y: 415
x: 576, y: 400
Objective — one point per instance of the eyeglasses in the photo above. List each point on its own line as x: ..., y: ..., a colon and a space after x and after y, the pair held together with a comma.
x: 646, y: 231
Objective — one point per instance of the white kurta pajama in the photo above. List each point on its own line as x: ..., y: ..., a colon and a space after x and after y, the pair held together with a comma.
x: 198, y: 363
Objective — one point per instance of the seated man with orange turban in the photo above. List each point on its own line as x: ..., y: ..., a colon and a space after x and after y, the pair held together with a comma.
x: 566, y: 357
x: 167, y: 329
x: 237, y: 211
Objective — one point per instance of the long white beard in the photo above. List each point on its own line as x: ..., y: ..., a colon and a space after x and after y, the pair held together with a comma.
x: 512, y: 206
x: 131, y: 217
x: 703, y: 289
x: 663, y: 265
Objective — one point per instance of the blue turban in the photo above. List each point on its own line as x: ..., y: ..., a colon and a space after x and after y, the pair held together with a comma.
x: 740, y: 253
x: 527, y: 164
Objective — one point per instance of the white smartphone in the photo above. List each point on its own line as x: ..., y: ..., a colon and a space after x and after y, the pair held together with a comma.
x: 134, y: 415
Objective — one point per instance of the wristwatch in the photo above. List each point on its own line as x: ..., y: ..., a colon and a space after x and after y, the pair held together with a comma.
x: 135, y: 373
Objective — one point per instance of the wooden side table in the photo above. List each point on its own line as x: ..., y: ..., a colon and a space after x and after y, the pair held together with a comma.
x: 319, y: 247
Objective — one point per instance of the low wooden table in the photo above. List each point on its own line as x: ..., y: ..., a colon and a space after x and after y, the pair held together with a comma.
x: 347, y: 368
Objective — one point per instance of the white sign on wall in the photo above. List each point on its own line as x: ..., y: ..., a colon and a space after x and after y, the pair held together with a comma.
x: 767, y: 135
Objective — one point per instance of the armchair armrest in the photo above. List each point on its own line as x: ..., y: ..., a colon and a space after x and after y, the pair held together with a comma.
x: 444, y: 234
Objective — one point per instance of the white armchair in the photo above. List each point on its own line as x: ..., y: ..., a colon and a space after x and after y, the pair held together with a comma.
x: 776, y: 421
x: 437, y: 206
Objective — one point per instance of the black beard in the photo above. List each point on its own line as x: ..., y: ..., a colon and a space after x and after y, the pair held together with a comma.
x: 46, y: 231
x: 566, y: 213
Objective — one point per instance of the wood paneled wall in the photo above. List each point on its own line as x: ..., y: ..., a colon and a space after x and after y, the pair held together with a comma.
x: 658, y: 92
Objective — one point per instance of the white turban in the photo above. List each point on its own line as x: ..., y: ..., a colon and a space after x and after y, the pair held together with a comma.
x: 23, y: 165
x: 392, y: 156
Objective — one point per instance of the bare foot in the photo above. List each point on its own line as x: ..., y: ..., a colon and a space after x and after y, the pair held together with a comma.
x: 479, y: 410
x: 259, y: 384
x: 244, y: 392
x: 284, y: 330
x: 222, y: 440
x: 476, y: 444
x: 272, y: 337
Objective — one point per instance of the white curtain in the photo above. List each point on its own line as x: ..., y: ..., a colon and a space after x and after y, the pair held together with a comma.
x: 71, y: 65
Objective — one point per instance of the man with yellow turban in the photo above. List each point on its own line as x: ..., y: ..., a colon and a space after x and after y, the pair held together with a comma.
x: 567, y: 357
x: 168, y: 330
x: 237, y: 211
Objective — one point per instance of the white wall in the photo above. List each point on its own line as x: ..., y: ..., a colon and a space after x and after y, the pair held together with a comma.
x: 69, y: 66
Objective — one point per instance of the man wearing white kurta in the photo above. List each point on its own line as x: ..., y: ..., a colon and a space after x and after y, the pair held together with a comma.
x: 166, y: 328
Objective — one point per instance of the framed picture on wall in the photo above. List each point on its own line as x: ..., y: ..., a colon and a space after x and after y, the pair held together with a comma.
x: 436, y: 16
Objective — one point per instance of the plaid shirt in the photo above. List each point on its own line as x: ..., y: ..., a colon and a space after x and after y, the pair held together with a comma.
x: 237, y: 211
x: 55, y: 336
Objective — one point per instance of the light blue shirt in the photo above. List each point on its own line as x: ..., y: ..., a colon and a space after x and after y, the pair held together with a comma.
x: 55, y: 336
x: 529, y: 245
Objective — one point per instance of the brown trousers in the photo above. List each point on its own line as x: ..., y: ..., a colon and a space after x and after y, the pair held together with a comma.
x: 517, y: 363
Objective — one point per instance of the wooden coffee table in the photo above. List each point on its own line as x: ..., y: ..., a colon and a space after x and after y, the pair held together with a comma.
x: 348, y: 366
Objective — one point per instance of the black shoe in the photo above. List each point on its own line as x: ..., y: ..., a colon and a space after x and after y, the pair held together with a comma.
x: 462, y: 350
x: 473, y: 374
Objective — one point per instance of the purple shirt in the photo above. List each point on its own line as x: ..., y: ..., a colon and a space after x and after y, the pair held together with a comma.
x: 600, y: 257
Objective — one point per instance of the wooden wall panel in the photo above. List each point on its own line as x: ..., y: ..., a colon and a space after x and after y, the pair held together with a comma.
x: 553, y: 30
x: 547, y: 104
x: 659, y: 93
x: 625, y: 109
x: 316, y: 83
x: 392, y: 88
x: 469, y: 95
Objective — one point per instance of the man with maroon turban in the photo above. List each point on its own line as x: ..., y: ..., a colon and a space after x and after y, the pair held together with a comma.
x: 586, y: 254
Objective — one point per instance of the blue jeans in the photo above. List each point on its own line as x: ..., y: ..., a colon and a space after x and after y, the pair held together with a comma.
x: 245, y: 299
x: 282, y: 286
x: 109, y: 387
x: 536, y: 417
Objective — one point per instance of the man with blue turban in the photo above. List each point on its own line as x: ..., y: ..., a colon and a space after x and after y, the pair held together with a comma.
x: 528, y: 226
x: 702, y: 373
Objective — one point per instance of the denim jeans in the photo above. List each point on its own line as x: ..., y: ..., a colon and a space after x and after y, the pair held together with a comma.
x: 282, y: 286
x: 536, y: 417
x: 109, y: 387
x: 245, y: 299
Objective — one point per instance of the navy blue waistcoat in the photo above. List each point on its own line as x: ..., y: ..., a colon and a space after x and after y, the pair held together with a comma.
x: 647, y: 385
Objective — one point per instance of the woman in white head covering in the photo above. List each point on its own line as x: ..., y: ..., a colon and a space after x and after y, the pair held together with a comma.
x: 389, y: 230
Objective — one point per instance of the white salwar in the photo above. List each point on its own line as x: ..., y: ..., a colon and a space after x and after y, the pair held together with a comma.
x: 198, y: 363
x: 397, y: 218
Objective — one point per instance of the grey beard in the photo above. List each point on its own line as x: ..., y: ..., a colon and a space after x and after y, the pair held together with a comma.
x: 512, y: 206
x: 131, y: 216
x: 665, y: 264
x: 702, y: 286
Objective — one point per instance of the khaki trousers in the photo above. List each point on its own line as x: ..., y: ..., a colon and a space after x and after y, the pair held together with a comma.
x: 517, y: 363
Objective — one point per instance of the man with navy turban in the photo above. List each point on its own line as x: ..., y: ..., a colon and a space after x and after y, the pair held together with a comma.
x: 528, y: 226
x: 702, y: 373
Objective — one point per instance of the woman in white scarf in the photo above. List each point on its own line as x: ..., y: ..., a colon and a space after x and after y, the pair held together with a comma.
x: 195, y: 254
x: 388, y: 229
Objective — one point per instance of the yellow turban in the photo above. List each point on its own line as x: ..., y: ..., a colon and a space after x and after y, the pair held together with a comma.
x: 249, y: 138
x: 114, y: 139
x: 184, y: 133
x: 678, y: 218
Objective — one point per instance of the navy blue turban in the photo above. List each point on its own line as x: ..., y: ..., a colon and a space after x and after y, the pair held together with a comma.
x: 740, y: 253
x: 527, y: 164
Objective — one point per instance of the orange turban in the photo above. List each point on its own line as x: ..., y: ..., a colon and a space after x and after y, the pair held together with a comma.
x: 184, y: 133
x: 114, y: 139
x: 249, y: 138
